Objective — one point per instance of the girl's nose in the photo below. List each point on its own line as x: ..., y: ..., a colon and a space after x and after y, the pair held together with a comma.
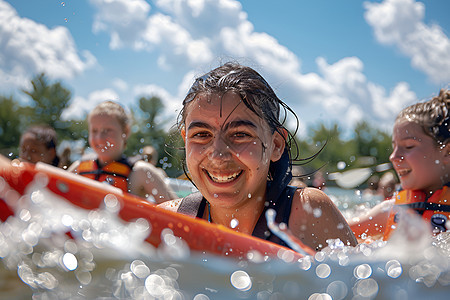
x: 396, y: 155
x: 219, y: 149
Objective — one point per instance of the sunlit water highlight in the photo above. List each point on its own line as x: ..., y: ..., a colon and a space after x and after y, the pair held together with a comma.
x: 107, y: 259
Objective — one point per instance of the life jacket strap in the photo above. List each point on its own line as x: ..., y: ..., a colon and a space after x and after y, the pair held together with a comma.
x: 426, y: 206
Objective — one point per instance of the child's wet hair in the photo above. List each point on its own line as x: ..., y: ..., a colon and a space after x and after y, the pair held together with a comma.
x: 433, y: 115
x: 112, y: 109
x: 252, y: 88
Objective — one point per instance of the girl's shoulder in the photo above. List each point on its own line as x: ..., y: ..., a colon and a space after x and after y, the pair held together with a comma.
x: 311, y: 195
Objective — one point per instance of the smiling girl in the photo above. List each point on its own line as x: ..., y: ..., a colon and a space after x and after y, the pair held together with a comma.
x: 421, y: 159
x: 238, y: 156
x: 109, y: 129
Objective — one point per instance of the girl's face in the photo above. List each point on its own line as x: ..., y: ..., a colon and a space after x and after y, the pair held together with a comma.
x: 228, y: 149
x: 33, y: 151
x: 106, y: 137
x: 419, y: 162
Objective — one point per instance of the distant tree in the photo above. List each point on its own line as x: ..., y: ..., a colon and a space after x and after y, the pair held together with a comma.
x: 371, y: 141
x: 336, y: 148
x: 10, y: 128
x: 48, y: 102
x: 150, y: 129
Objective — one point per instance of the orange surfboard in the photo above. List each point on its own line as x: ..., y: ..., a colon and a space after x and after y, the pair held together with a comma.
x: 89, y: 194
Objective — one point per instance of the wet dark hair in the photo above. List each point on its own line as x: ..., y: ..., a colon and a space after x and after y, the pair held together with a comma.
x: 259, y: 97
x: 45, y: 134
x: 433, y: 115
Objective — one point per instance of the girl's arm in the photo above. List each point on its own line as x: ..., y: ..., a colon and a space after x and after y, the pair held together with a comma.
x: 315, y: 219
x: 145, y: 181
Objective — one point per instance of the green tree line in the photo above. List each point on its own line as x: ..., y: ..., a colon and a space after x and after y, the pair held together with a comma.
x: 49, y: 99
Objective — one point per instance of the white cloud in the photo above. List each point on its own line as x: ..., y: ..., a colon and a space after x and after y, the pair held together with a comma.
x: 120, y: 84
x: 80, y: 107
x: 189, y: 34
x: 125, y: 20
x: 400, y: 23
x: 28, y: 48
x: 172, y: 103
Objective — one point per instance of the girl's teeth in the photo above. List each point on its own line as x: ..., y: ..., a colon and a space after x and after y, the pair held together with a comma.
x: 223, y: 179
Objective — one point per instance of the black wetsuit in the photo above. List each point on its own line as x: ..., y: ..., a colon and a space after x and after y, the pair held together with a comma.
x: 194, y: 205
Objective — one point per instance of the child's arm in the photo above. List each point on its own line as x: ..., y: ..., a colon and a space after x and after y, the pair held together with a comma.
x: 73, y: 167
x: 145, y: 181
x: 315, y: 219
x: 371, y: 225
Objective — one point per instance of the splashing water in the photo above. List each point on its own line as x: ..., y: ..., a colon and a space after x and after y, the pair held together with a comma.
x: 58, y: 251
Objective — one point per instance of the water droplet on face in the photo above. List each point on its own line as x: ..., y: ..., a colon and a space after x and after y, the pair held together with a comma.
x: 216, y: 196
x: 249, y: 195
x: 437, y: 161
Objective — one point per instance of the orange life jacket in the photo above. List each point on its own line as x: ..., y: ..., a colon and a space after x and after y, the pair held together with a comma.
x: 435, y: 209
x: 115, y: 173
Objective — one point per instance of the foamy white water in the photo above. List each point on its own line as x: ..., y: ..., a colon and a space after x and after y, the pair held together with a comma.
x: 107, y: 259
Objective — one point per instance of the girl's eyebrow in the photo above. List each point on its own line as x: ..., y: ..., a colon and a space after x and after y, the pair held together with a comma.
x: 198, y: 124
x: 238, y: 123
x: 232, y: 124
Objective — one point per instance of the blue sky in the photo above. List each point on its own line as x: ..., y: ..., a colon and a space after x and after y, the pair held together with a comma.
x: 331, y: 61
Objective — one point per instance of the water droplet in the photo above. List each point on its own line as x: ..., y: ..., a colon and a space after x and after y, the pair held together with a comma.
x: 317, y: 212
x: 393, y: 268
x: 139, y: 269
x: 317, y: 296
x: 63, y: 3
x: 366, y: 288
x: 70, y: 261
x: 241, y: 281
x: 362, y: 271
x: 337, y: 290
x: 234, y: 223
x: 323, y: 271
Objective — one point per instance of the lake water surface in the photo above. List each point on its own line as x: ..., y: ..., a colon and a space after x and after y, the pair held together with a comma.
x: 107, y: 259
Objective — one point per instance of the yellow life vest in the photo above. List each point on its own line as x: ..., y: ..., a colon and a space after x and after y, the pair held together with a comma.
x: 115, y: 173
x: 435, y: 210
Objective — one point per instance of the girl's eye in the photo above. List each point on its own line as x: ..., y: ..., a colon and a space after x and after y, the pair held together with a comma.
x: 241, y: 135
x: 201, y: 135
